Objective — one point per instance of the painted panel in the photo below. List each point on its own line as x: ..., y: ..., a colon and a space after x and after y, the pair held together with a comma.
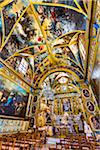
x: 13, y: 99
x: 10, y: 126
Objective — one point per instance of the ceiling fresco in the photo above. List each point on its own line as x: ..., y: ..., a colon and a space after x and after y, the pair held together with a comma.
x: 39, y: 36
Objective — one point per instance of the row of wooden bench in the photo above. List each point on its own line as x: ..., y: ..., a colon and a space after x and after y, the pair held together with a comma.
x: 78, y: 142
x: 24, y: 141
x: 27, y: 141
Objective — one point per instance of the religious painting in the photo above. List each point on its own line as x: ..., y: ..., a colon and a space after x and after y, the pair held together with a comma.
x: 56, y: 21
x: 21, y: 65
x: 20, y: 27
x: 95, y: 120
x: 13, y: 99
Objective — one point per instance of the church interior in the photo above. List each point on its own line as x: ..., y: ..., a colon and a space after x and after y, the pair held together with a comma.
x: 49, y: 74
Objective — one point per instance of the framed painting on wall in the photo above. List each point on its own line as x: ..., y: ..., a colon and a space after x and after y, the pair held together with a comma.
x: 13, y: 98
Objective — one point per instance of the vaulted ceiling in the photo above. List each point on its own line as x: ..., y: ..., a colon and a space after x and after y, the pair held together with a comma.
x: 47, y: 37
